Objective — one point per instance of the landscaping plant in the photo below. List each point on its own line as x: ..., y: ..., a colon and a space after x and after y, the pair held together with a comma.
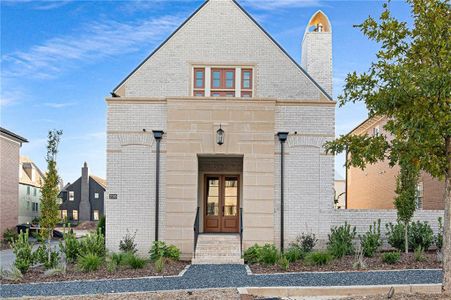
x: 420, y: 235
x: 391, y: 257
x: 134, y: 261
x: 59, y: 269
x: 395, y: 235
x: 359, y: 262
x: 159, y: 264
x: 438, y: 239
x: 14, y: 274
x: 269, y: 254
x: 252, y: 254
x: 10, y: 235
x: 318, y: 258
x: 160, y: 249
x: 306, y: 242
x: 371, y: 240
x: 70, y: 246
x: 172, y: 252
x: 23, y: 252
x: 101, y: 225
x: 419, y: 254
x: 127, y: 244
x: 89, y: 262
x: 49, y: 192
x: 293, y: 253
x: 93, y: 243
x: 283, y: 263
x: 341, y: 240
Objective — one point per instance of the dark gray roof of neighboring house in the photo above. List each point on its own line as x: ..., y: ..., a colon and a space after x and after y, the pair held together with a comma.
x: 13, y: 135
x: 254, y: 21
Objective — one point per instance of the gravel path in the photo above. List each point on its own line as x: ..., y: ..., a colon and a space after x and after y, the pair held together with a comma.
x: 220, y: 276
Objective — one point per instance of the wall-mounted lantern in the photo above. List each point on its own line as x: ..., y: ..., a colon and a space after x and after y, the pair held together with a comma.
x: 220, y: 136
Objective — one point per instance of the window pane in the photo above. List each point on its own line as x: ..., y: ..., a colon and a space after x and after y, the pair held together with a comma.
x: 199, y: 93
x: 215, y: 94
x: 199, y: 74
x: 231, y: 196
x: 247, y: 75
x: 246, y: 84
x: 96, y: 215
x: 75, y: 215
x: 229, y: 79
x: 216, y: 79
x: 212, y: 196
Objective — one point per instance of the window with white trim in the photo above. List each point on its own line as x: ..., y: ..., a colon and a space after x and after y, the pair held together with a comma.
x: 71, y: 196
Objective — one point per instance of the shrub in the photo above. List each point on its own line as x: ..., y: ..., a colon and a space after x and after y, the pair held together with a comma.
x: 306, y: 242
x: 318, y: 258
x: 89, y: 262
x: 269, y: 254
x: 293, y: 254
x: 101, y: 225
x: 391, y: 257
x: 419, y: 254
x: 341, y: 240
x: 252, y: 254
x: 70, y: 246
x: 135, y: 262
x: 93, y: 243
x: 371, y: 240
x: 23, y: 251
x: 283, y: 263
x: 420, y: 235
x: 438, y: 239
x: 10, y: 235
x: 54, y: 260
x: 395, y: 235
x: 127, y: 244
x: 35, y: 220
x: 161, y: 250
x: 118, y: 258
x: 159, y: 264
x: 111, y: 266
x: 40, y: 255
x: 172, y: 252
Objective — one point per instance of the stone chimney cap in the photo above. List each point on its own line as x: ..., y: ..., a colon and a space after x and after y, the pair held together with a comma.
x: 85, y: 165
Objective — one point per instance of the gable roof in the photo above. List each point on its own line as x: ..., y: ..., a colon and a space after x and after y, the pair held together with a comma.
x: 253, y: 20
x: 100, y: 181
x: 24, y: 178
x: 12, y: 135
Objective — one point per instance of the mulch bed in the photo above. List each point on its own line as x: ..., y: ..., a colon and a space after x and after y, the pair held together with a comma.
x: 345, y: 264
x: 36, y: 274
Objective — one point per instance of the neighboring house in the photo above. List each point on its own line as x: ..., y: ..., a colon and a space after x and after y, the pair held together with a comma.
x: 10, y: 144
x: 31, y: 180
x: 83, y: 200
x: 340, y: 191
x: 374, y: 187
x: 219, y: 96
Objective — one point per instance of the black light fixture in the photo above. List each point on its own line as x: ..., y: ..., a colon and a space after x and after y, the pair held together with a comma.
x: 283, y: 136
x: 220, y: 136
x: 158, y: 135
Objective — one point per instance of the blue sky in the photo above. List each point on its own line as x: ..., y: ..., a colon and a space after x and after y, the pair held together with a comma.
x: 60, y: 59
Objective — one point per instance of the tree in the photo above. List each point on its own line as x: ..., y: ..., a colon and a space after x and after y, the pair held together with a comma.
x: 50, y: 190
x: 406, y: 189
x: 410, y: 84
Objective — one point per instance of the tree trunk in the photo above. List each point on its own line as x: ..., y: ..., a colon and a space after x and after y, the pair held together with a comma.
x: 406, y: 237
x: 49, y: 250
x: 447, y: 225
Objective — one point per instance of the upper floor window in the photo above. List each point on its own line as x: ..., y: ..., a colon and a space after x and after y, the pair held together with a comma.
x: 222, y: 79
x: 419, y: 195
x: 28, y: 190
x: 376, y: 131
x: 222, y: 82
x: 96, y: 195
x: 199, y: 75
x: 246, y: 83
x: 71, y: 196
x: 35, y: 192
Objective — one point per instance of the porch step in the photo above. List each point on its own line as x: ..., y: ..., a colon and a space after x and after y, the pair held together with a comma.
x: 218, y: 249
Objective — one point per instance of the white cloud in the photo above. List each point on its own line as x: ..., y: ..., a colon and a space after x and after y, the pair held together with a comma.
x: 280, y: 4
x: 59, y: 104
x: 9, y: 97
x: 38, y: 5
x: 90, y: 43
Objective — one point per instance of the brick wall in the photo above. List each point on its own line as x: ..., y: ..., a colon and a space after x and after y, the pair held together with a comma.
x: 9, y: 183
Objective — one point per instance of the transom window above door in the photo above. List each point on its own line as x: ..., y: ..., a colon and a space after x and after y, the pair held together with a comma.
x: 222, y: 82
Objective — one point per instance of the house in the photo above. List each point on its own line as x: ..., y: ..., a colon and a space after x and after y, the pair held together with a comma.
x: 10, y: 144
x: 339, y: 191
x: 198, y: 131
x: 31, y: 180
x: 374, y: 187
x: 83, y: 200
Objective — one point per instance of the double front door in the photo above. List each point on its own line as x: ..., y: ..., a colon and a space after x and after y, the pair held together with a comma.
x: 222, y: 206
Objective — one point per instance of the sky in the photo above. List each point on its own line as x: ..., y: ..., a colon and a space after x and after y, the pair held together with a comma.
x: 60, y: 59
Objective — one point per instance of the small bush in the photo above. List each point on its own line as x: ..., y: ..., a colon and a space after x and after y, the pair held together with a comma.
x: 54, y: 260
x: 391, y: 257
x: 293, y: 254
x: 111, y: 266
x: 269, y: 254
x: 438, y: 239
x: 306, y: 242
x: 172, y: 252
x: 101, y: 225
x: 40, y: 254
x: 420, y: 235
x: 283, y: 263
x: 10, y: 235
x: 159, y: 264
x: 318, y: 258
x: 252, y: 254
x: 371, y: 240
x: 35, y: 220
x: 419, y: 254
x: 118, y: 258
x: 135, y: 262
x: 395, y: 235
x: 13, y: 275
x: 89, y: 262
x: 359, y: 262
x: 93, y: 243
x: 161, y: 250
x: 70, y: 246
x: 127, y: 244
x: 57, y: 270
x: 341, y: 240
x: 23, y: 251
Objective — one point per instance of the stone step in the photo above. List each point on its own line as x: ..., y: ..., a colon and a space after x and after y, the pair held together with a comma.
x: 218, y: 249
x: 217, y: 260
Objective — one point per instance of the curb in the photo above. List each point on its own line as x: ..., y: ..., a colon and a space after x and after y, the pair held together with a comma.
x: 359, y: 290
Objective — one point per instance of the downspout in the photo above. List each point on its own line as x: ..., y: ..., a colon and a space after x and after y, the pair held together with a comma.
x: 158, y: 135
x: 282, y: 138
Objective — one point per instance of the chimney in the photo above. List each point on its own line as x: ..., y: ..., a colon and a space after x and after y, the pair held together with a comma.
x: 317, y: 50
x: 85, y: 205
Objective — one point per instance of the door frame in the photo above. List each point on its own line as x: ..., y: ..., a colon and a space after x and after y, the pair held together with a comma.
x: 221, y: 200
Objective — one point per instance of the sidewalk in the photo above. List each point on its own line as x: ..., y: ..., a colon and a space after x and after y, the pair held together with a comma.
x: 222, y: 276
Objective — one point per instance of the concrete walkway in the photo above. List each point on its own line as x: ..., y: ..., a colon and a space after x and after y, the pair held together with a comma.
x: 222, y: 276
